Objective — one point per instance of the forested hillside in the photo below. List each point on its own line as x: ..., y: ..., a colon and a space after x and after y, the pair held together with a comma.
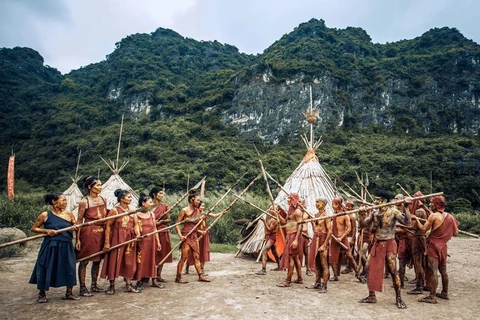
x: 405, y: 112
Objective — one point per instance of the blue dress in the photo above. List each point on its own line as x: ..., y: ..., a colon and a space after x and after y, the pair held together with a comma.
x: 56, y: 262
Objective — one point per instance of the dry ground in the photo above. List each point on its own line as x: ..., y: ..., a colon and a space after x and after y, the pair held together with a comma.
x: 237, y: 293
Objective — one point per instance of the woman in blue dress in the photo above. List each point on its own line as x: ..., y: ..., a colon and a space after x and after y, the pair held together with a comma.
x: 55, y: 266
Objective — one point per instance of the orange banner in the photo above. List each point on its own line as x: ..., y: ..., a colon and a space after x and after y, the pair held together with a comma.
x: 11, y: 177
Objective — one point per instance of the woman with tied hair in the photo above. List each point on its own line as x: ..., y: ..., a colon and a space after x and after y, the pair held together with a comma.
x: 121, y: 262
x: 55, y: 266
x: 148, y: 246
x: 162, y: 218
x: 90, y: 239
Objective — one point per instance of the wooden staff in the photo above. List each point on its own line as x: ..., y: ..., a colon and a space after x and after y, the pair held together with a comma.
x: 73, y: 227
x: 363, y: 186
x: 132, y: 240
x: 339, y: 242
x: 392, y: 203
x: 202, y: 217
x: 256, y: 207
x: 430, y: 212
x: 359, y: 198
x: 283, y: 189
x: 231, y: 205
x: 76, y: 226
x: 360, y: 247
x: 269, y: 191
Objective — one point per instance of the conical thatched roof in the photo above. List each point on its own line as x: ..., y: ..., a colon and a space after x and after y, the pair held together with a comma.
x: 113, y: 183
x: 73, y: 195
x: 309, y: 180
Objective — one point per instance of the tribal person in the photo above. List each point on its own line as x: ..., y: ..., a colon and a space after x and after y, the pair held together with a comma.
x: 90, y: 239
x: 365, y: 238
x: 162, y: 218
x: 292, y: 250
x: 55, y: 265
x: 384, y: 248
x: 121, y: 262
x: 442, y: 226
x: 190, y: 216
x: 405, y: 236
x: 352, y: 236
x: 341, y: 227
x: 203, y: 241
x: 419, y: 244
x: 271, y: 228
x: 319, y: 249
x: 305, y: 241
x: 147, y: 247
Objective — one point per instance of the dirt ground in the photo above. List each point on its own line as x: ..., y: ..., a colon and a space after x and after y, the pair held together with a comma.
x: 237, y: 293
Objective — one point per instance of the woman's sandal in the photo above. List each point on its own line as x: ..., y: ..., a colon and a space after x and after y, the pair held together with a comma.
x: 299, y: 281
x: 160, y: 279
x: 70, y: 296
x: 284, y: 284
x: 84, y: 292
x: 96, y: 288
x: 428, y: 299
x: 42, y: 299
x: 369, y: 299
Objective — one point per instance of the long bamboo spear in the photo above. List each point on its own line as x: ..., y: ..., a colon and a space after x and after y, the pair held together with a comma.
x: 201, y: 218
x: 391, y: 203
x: 359, y: 198
x: 76, y: 226
x: 363, y: 186
x: 132, y: 240
x: 231, y: 205
x: 283, y: 189
x: 268, y: 190
x: 430, y: 212
x: 73, y: 227
x: 148, y: 234
x: 256, y: 207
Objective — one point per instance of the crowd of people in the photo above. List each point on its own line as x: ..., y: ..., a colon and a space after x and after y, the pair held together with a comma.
x: 371, y: 241
x: 136, y: 245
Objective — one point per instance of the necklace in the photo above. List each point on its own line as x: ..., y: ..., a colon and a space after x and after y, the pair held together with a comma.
x: 61, y: 214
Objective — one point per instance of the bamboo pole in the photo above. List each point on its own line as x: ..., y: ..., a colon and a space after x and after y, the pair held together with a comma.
x: 76, y: 226
x: 359, y: 197
x: 231, y: 204
x: 339, y: 242
x: 363, y: 186
x: 269, y: 191
x: 283, y: 189
x: 256, y: 207
x: 391, y: 203
x: 430, y: 212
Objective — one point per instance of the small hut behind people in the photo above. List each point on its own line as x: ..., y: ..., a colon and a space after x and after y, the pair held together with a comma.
x: 73, y: 193
x: 309, y: 180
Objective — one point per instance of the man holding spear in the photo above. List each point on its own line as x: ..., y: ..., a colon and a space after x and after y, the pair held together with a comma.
x: 384, y: 249
x: 291, y: 253
x: 271, y: 228
x: 443, y: 226
x: 190, y: 242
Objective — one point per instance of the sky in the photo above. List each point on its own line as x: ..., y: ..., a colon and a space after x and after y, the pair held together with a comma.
x: 70, y: 34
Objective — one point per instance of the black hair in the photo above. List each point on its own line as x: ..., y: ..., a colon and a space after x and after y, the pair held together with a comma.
x: 143, y: 197
x: 192, y: 193
x: 49, y: 198
x: 384, y: 194
x: 154, y: 191
x: 89, y: 182
x: 120, y: 194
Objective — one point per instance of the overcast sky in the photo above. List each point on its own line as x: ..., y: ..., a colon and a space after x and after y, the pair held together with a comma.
x: 74, y: 33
